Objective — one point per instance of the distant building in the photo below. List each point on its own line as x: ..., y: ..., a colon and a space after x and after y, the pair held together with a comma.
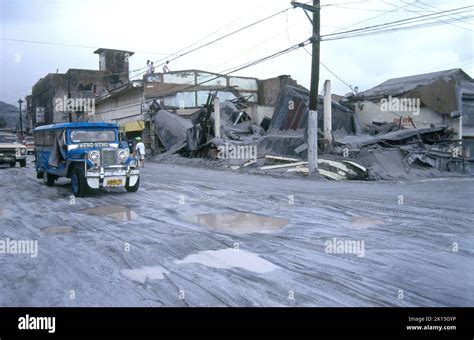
x: 57, y: 97
x: 438, y: 98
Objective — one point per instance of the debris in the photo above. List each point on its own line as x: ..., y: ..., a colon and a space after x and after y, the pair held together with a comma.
x: 283, y: 158
x: 279, y: 166
x: 171, y: 129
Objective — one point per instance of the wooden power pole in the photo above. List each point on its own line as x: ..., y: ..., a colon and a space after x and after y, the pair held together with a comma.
x: 313, y: 93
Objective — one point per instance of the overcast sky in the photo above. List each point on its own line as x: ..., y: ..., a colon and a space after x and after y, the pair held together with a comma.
x: 156, y: 28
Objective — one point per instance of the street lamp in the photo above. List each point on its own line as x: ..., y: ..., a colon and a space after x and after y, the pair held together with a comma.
x: 21, y: 119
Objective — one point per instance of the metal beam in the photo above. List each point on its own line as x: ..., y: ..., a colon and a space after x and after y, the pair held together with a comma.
x: 306, y: 7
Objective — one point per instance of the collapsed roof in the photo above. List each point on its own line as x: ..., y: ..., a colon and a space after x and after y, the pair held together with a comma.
x: 399, y: 86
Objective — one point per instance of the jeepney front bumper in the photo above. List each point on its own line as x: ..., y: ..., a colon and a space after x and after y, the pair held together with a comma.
x: 112, y: 177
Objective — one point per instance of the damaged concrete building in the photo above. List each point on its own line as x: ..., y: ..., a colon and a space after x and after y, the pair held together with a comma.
x: 76, y: 84
x: 444, y: 98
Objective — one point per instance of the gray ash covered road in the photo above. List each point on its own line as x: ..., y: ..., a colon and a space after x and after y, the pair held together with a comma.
x: 146, y: 249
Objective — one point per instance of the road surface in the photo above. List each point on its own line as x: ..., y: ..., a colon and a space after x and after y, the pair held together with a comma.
x: 325, y: 243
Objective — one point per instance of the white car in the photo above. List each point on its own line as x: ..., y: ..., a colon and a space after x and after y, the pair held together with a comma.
x: 11, y: 151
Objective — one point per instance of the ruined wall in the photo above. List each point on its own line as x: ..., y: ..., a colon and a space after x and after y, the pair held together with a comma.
x: 121, y: 109
x: 73, y: 84
x: 116, y: 64
x: 269, y: 90
x: 44, y: 93
x: 186, y: 89
x: 369, y: 111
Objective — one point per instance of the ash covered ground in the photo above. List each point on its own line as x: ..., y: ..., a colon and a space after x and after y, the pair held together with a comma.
x: 201, y: 237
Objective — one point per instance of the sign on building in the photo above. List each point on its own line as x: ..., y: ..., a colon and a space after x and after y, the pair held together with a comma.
x: 39, y: 115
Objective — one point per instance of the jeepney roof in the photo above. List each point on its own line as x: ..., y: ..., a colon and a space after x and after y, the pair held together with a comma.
x: 76, y: 126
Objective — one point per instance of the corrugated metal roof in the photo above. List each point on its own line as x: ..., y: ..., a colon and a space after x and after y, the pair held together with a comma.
x: 397, y: 86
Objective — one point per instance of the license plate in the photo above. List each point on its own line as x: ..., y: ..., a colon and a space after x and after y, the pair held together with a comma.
x: 114, y: 182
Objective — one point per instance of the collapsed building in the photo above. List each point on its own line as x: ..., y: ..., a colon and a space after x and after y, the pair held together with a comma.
x: 261, y: 125
x: 360, y: 147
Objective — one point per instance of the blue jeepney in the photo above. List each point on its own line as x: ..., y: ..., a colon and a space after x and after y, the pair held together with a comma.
x: 90, y: 154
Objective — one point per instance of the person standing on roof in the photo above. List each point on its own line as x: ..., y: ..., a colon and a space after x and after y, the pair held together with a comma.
x: 165, y: 67
x: 152, y: 68
x: 140, y: 152
x: 148, y: 67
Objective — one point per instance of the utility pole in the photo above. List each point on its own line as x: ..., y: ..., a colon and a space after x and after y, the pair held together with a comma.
x: 313, y: 96
x: 313, y: 93
x: 327, y: 112
x: 217, y: 117
x: 21, y: 120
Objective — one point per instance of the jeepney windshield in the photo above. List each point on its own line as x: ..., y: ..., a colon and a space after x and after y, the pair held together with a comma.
x: 8, y: 139
x: 92, y: 136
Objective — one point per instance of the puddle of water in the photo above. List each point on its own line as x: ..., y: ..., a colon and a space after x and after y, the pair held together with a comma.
x: 364, y: 222
x: 4, y: 213
x: 230, y: 258
x: 239, y: 223
x: 144, y: 273
x: 120, y: 213
x: 58, y: 230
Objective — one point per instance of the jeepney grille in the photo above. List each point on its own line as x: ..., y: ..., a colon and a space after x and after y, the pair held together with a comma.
x: 109, y: 157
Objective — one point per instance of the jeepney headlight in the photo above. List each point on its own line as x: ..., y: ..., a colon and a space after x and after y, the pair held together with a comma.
x: 123, y: 154
x: 94, y: 156
x: 23, y: 151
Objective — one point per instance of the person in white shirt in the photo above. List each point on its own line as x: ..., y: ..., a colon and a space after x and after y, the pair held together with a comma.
x: 165, y: 67
x: 140, y: 152
x: 148, y: 67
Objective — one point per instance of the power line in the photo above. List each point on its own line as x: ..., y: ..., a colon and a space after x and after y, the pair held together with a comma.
x: 70, y: 45
x: 395, y: 25
x: 178, y: 54
x: 450, y: 15
x: 371, y: 18
x: 227, y: 72
x: 387, y: 30
x: 417, y: 18
x: 430, y: 6
x: 172, y: 54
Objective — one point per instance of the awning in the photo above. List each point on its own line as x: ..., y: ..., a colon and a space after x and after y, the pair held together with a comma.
x: 133, y: 126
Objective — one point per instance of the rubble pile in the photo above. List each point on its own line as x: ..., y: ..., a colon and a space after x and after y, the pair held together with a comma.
x: 399, y: 153
x: 278, y: 146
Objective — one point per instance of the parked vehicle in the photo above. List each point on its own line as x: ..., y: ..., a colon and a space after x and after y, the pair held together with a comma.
x: 29, y: 142
x: 11, y: 151
x: 90, y: 154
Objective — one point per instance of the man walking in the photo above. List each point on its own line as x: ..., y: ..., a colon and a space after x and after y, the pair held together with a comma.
x: 140, y: 152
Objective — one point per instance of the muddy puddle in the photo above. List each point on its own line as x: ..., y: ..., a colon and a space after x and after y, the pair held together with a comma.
x: 117, y: 212
x: 239, y: 223
x: 364, y: 222
x: 141, y: 275
x: 230, y: 258
x: 58, y: 230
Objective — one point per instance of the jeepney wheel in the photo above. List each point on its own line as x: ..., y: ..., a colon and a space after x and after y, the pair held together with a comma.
x: 39, y: 174
x: 132, y: 188
x: 48, y: 179
x: 23, y: 163
x: 78, y: 182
